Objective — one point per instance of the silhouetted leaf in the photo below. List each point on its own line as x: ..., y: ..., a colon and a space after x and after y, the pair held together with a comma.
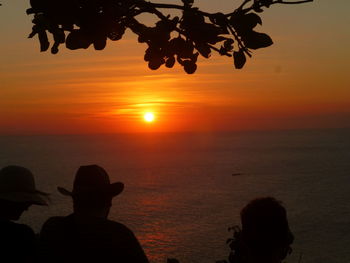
x: 245, y: 22
x: 34, y: 31
x: 148, y: 55
x: 204, y: 50
x: 185, y: 49
x: 59, y: 36
x: 44, y: 42
x: 170, y: 62
x: 220, y: 20
x: 54, y: 48
x: 256, y: 40
x: 189, y: 67
x: 117, y: 33
x: 239, y: 59
x: 155, y: 63
x: 179, y: 60
x: 100, y: 43
x: 252, y: 20
x: 222, y: 50
x: 30, y: 11
x: 77, y: 39
x: 228, y: 44
x: 38, y: 5
x: 257, y: 8
x: 187, y: 2
x: 266, y: 3
x: 194, y: 57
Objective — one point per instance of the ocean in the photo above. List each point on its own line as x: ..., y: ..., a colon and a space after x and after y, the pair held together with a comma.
x: 181, y: 196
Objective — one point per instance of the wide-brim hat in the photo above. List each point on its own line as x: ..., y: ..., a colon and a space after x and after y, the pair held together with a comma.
x: 17, y: 185
x: 92, y: 180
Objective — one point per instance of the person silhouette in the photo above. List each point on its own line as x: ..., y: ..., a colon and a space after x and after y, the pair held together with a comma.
x: 265, y: 236
x: 87, y: 235
x: 17, y: 193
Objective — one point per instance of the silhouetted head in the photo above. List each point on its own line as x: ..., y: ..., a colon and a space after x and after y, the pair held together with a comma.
x: 12, y: 210
x: 18, y: 192
x: 265, y: 230
x: 92, y: 191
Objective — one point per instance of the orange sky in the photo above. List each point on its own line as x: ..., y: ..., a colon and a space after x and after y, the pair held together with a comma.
x: 299, y: 82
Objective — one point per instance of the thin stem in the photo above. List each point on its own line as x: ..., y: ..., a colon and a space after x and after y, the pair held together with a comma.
x: 166, y: 6
x: 246, y: 10
x: 292, y: 3
x: 240, y: 44
x: 172, y: 6
x: 217, y: 50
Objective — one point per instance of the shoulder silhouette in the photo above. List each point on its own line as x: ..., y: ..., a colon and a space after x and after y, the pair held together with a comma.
x: 87, y: 235
x: 17, y: 194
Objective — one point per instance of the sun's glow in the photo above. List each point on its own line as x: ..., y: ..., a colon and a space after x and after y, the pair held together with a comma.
x: 148, y: 117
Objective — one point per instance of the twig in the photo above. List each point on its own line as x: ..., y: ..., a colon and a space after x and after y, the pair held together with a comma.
x: 240, y: 44
x: 172, y: 6
x: 292, y: 3
x: 218, y: 50
x: 246, y: 10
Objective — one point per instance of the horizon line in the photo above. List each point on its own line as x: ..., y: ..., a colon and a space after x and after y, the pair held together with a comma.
x: 177, y: 132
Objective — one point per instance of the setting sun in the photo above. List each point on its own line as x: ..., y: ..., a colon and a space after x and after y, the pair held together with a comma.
x: 148, y: 117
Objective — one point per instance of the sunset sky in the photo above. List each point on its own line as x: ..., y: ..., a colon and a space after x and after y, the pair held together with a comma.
x: 302, y: 81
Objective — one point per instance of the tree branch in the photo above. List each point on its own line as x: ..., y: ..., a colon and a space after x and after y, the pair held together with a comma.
x: 172, y: 6
x: 293, y: 3
x: 93, y: 23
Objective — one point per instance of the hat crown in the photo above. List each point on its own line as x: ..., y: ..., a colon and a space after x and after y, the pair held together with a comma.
x: 91, y: 177
x: 17, y: 185
x: 16, y: 179
x: 92, y: 181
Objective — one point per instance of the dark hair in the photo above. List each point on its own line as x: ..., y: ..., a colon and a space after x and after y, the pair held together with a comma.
x: 265, y: 232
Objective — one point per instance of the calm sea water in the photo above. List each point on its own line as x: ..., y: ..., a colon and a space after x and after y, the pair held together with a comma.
x: 181, y: 197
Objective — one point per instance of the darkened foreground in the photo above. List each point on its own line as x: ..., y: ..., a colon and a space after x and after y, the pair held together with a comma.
x: 88, y: 236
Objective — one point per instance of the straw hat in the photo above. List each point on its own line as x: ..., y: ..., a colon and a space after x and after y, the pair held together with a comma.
x: 17, y: 185
x: 92, y: 180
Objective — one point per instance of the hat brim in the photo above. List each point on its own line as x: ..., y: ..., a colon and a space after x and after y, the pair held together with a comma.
x: 35, y: 198
x: 113, y: 189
